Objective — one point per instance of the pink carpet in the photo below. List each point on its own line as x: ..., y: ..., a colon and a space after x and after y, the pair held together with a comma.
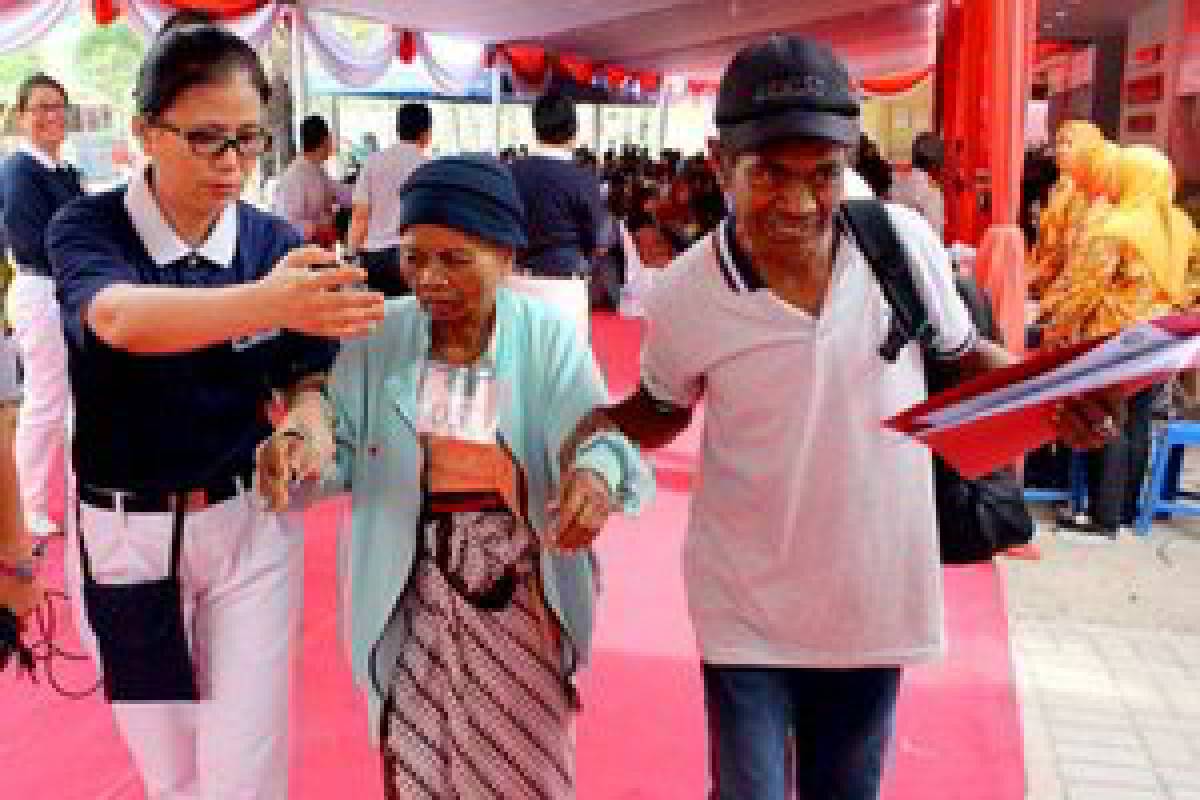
x: 641, y: 734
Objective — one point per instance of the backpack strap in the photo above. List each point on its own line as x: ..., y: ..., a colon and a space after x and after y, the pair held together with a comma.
x: 871, y: 227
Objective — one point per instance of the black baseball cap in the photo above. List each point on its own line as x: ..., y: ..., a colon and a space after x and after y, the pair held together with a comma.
x: 786, y: 87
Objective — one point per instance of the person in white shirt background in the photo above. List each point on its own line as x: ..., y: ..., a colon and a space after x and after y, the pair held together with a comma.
x: 918, y: 188
x: 36, y: 184
x: 305, y: 195
x: 374, y: 223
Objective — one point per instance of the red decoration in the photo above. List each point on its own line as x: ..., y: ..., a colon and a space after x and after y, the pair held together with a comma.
x: 615, y: 76
x: 649, y: 81
x: 105, y: 11
x: 224, y: 9
x: 895, y: 84
x: 406, y: 48
x: 1144, y: 91
x: 700, y: 88
x: 527, y: 61
x: 1148, y: 55
x: 577, y: 69
x: 1141, y: 123
x: 1048, y: 48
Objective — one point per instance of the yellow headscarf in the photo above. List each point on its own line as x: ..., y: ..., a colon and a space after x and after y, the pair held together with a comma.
x: 1073, y: 143
x: 1146, y: 219
x: 1096, y: 167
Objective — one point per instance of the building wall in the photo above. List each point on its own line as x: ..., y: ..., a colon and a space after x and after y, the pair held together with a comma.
x: 1151, y: 26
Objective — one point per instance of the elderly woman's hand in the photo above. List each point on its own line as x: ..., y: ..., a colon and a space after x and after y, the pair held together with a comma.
x: 583, y: 506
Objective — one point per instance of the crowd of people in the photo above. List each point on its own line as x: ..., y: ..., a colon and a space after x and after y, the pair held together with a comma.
x: 227, y: 369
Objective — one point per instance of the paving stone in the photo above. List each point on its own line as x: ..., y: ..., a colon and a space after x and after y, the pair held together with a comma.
x: 1116, y: 775
x: 1103, y: 754
x: 1093, y: 792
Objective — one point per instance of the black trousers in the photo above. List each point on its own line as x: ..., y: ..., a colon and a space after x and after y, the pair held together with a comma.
x: 383, y: 272
x: 1117, y: 470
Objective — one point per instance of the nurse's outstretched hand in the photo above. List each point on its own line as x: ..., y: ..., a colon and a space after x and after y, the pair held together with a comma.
x: 301, y: 294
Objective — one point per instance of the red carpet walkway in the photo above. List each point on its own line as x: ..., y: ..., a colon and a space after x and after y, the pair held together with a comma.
x: 641, y: 734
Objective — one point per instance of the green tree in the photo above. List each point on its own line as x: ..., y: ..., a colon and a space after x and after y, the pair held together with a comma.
x: 107, y: 60
x: 16, y: 67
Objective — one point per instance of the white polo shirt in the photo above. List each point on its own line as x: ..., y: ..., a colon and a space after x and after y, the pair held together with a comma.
x: 812, y: 535
x: 378, y: 187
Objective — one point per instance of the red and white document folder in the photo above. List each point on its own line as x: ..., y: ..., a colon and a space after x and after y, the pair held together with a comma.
x: 992, y: 420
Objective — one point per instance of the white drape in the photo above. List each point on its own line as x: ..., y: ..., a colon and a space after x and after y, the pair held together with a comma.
x: 453, y: 64
x: 145, y: 17
x: 352, y: 63
x: 24, y: 24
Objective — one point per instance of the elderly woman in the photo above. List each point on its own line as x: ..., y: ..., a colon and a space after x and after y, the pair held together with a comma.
x: 446, y: 425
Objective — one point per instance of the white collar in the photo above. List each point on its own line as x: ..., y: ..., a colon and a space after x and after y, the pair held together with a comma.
x: 40, y: 155
x: 549, y: 151
x: 160, y: 239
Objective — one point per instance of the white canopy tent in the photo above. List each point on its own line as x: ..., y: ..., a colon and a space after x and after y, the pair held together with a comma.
x: 661, y: 42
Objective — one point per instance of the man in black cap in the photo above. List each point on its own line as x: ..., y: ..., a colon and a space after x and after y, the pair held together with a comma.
x: 568, y: 221
x: 812, y: 562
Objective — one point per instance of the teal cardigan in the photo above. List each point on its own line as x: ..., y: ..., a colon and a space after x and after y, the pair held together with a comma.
x: 550, y: 380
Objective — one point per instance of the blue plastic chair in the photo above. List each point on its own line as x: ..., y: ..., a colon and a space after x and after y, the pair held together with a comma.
x: 1160, y: 494
x: 1076, y: 491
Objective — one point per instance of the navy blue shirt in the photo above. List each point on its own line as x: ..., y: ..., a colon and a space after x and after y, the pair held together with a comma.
x: 565, y: 213
x: 31, y: 195
x: 176, y: 421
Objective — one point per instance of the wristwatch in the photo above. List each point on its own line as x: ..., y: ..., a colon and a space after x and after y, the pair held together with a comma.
x: 22, y: 570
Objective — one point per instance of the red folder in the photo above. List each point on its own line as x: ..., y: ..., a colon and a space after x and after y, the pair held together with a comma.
x: 983, y: 445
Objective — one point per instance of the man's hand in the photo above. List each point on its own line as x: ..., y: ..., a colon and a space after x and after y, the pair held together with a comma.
x: 582, y: 509
x: 1088, y: 422
x: 300, y: 294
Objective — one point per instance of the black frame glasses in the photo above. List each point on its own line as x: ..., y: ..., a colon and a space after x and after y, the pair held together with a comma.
x: 212, y: 143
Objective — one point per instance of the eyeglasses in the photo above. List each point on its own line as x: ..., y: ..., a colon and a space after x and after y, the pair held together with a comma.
x: 47, y: 109
x: 412, y: 259
x: 213, y: 142
x: 771, y: 176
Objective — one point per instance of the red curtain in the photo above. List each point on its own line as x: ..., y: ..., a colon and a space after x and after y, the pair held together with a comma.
x: 615, y: 76
x: 577, y: 69
x: 649, y: 81
x: 894, y: 84
x: 222, y: 8
x: 105, y: 11
x: 406, y: 48
x: 701, y: 88
x: 527, y: 61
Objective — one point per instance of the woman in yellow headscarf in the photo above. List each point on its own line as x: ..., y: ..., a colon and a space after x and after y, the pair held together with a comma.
x: 1095, y: 192
x: 1135, y: 254
x: 1074, y: 144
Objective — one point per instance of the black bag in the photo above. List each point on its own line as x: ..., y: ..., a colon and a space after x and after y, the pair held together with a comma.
x: 976, y: 518
x: 140, y: 632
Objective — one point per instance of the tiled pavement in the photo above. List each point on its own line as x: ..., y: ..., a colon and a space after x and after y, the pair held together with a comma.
x: 1111, y: 710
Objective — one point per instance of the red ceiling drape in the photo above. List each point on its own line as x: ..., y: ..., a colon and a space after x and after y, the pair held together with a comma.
x: 894, y: 84
x: 649, y: 81
x: 222, y: 8
x: 527, y: 61
x: 577, y: 69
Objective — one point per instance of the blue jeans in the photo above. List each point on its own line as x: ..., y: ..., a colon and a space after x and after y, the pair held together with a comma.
x: 841, y: 721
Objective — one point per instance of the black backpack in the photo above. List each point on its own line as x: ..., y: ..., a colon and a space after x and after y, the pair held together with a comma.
x: 976, y: 518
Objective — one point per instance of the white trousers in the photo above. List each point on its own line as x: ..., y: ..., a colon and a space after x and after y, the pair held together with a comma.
x: 37, y: 329
x: 241, y: 576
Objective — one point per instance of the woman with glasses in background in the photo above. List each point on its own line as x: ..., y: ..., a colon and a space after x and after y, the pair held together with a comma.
x: 34, y: 185
x: 185, y: 311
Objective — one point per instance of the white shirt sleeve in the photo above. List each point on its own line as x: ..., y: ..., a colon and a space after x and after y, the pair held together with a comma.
x: 670, y: 371
x: 955, y: 335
